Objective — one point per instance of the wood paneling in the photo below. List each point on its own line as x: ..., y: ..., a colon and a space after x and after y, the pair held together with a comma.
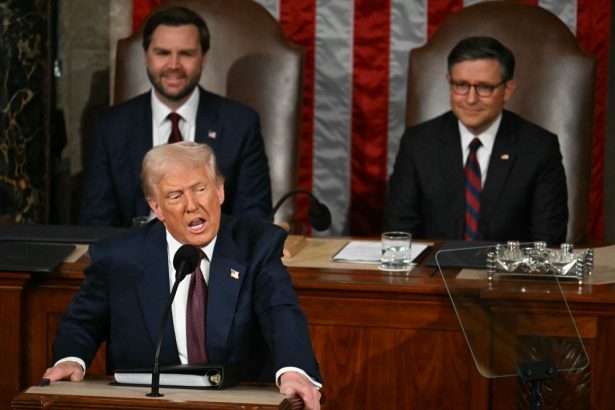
x: 383, y: 340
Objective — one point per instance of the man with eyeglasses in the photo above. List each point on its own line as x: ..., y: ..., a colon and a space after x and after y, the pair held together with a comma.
x: 479, y: 172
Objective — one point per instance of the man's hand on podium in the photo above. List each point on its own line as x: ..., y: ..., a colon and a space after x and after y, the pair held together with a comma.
x: 296, y: 384
x: 68, y: 370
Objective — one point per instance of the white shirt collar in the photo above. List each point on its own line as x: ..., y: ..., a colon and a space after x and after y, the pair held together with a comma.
x: 487, y: 138
x: 173, y: 245
x: 160, y: 112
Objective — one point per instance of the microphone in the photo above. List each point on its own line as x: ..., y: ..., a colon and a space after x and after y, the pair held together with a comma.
x: 185, y: 261
x: 319, y: 215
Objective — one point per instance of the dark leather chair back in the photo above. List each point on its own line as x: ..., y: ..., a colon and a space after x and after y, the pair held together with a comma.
x: 250, y: 61
x: 555, y: 84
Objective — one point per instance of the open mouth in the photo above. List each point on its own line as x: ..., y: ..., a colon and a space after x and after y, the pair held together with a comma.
x: 197, y: 225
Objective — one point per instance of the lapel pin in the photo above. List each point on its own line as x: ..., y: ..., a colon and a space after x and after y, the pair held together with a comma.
x: 505, y: 157
x: 212, y: 135
x: 234, y: 274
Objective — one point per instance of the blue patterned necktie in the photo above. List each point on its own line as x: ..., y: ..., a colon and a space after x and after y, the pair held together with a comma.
x: 473, y: 188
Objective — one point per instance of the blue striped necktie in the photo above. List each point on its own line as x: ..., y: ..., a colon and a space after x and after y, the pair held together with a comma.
x: 473, y: 188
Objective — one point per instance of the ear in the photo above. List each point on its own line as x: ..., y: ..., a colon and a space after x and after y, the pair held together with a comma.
x: 220, y: 192
x: 509, y: 89
x: 153, y: 204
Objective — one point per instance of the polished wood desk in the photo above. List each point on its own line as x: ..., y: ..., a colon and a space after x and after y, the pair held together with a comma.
x: 97, y: 394
x: 383, y: 340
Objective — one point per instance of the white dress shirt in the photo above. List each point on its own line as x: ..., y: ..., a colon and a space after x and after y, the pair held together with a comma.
x: 161, y: 124
x: 483, y: 153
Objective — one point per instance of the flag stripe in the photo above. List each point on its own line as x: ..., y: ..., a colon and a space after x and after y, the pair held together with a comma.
x: 438, y: 11
x: 565, y: 10
x: 298, y: 20
x: 408, y: 30
x: 370, y: 84
x: 332, y: 105
x: 346, y: 99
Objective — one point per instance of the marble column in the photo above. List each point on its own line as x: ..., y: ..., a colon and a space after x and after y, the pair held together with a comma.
x: 24, y: 110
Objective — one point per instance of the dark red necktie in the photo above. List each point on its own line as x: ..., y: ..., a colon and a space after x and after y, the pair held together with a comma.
x: 196, y: 317
x: 473, y: 188
x: 176, y: 135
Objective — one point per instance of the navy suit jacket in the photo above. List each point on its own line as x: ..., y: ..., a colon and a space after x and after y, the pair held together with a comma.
x: 523, y: 198
x: 112, y: 193
x: 254, y: 320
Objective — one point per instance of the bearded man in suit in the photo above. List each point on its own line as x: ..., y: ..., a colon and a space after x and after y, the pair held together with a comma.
x: 512, y: 186
x: 251, y: 313
x: 175, y: 41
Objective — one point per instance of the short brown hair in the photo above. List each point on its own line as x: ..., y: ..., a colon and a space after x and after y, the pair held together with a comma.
x: 175, y: 16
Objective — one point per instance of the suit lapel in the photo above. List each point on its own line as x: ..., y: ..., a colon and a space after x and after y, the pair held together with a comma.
x: 142, y: 135
x: 226, y: 276
x: 500, y: 164
x: 451, y: 168
x: 153, y: 291
x: 208, y: 130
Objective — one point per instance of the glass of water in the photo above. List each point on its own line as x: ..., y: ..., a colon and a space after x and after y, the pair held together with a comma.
x: 396, y: 254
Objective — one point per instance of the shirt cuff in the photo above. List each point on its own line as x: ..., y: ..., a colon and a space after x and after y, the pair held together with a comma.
x: 283, y: 370
x: 72, y: 359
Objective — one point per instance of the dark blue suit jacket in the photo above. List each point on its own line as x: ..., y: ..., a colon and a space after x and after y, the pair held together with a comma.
x: 254, y: 320
x: 524, y: 196
x: 112, y: 193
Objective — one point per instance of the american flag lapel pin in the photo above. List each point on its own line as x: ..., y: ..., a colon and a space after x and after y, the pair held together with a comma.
x: 505, y: 157
x: 234, y: 274
x: 212, y: 134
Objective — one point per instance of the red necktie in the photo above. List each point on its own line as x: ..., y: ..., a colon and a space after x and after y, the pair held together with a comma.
x: 473, y: 188
x: 196, y: 317
x: 176, y: 135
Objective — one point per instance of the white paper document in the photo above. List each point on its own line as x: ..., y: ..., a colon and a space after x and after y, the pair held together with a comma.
x: 370, y: 252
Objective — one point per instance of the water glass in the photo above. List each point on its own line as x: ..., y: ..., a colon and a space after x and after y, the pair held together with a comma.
x: 396, y: 254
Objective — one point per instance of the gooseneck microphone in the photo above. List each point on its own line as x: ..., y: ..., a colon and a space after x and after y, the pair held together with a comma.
x: 319, y: 215
x: 185, y: 261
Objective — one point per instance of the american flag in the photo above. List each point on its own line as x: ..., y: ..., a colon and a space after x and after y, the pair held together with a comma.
x: 355, y: 90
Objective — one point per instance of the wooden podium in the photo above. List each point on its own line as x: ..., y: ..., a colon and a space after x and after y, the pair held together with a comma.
x: 98, y: 394
x: 384, y: 340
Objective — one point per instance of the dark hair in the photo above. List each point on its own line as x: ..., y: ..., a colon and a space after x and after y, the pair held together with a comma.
x: 175, y: 16
x: 478, y: 48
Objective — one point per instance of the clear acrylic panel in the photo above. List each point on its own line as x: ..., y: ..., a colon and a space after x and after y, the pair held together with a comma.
x: 511, y: 319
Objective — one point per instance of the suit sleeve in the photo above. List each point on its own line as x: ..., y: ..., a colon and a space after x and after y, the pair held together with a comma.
x: 403, y: 206
x: 549, y: 216
x: 84, y: 325
x: 253, y: 193
x: 99, y: 205
x: 282, y: 321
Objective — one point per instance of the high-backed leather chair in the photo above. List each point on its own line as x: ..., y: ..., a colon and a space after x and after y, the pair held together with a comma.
x: 250, y: 61
x: 555, y: 84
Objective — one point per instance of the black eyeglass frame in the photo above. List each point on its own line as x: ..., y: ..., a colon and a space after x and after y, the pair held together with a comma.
x: 481, y: 89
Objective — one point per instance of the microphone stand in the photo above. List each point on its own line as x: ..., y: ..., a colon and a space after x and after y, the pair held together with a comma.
x: 155, y: 392
x: 318, y: 214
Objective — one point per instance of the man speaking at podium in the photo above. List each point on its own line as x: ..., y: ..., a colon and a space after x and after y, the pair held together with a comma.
x: 479, y: 172
x: 249, y: 311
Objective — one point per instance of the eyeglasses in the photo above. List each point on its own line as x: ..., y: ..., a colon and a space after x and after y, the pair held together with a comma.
x: 481, y: 89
